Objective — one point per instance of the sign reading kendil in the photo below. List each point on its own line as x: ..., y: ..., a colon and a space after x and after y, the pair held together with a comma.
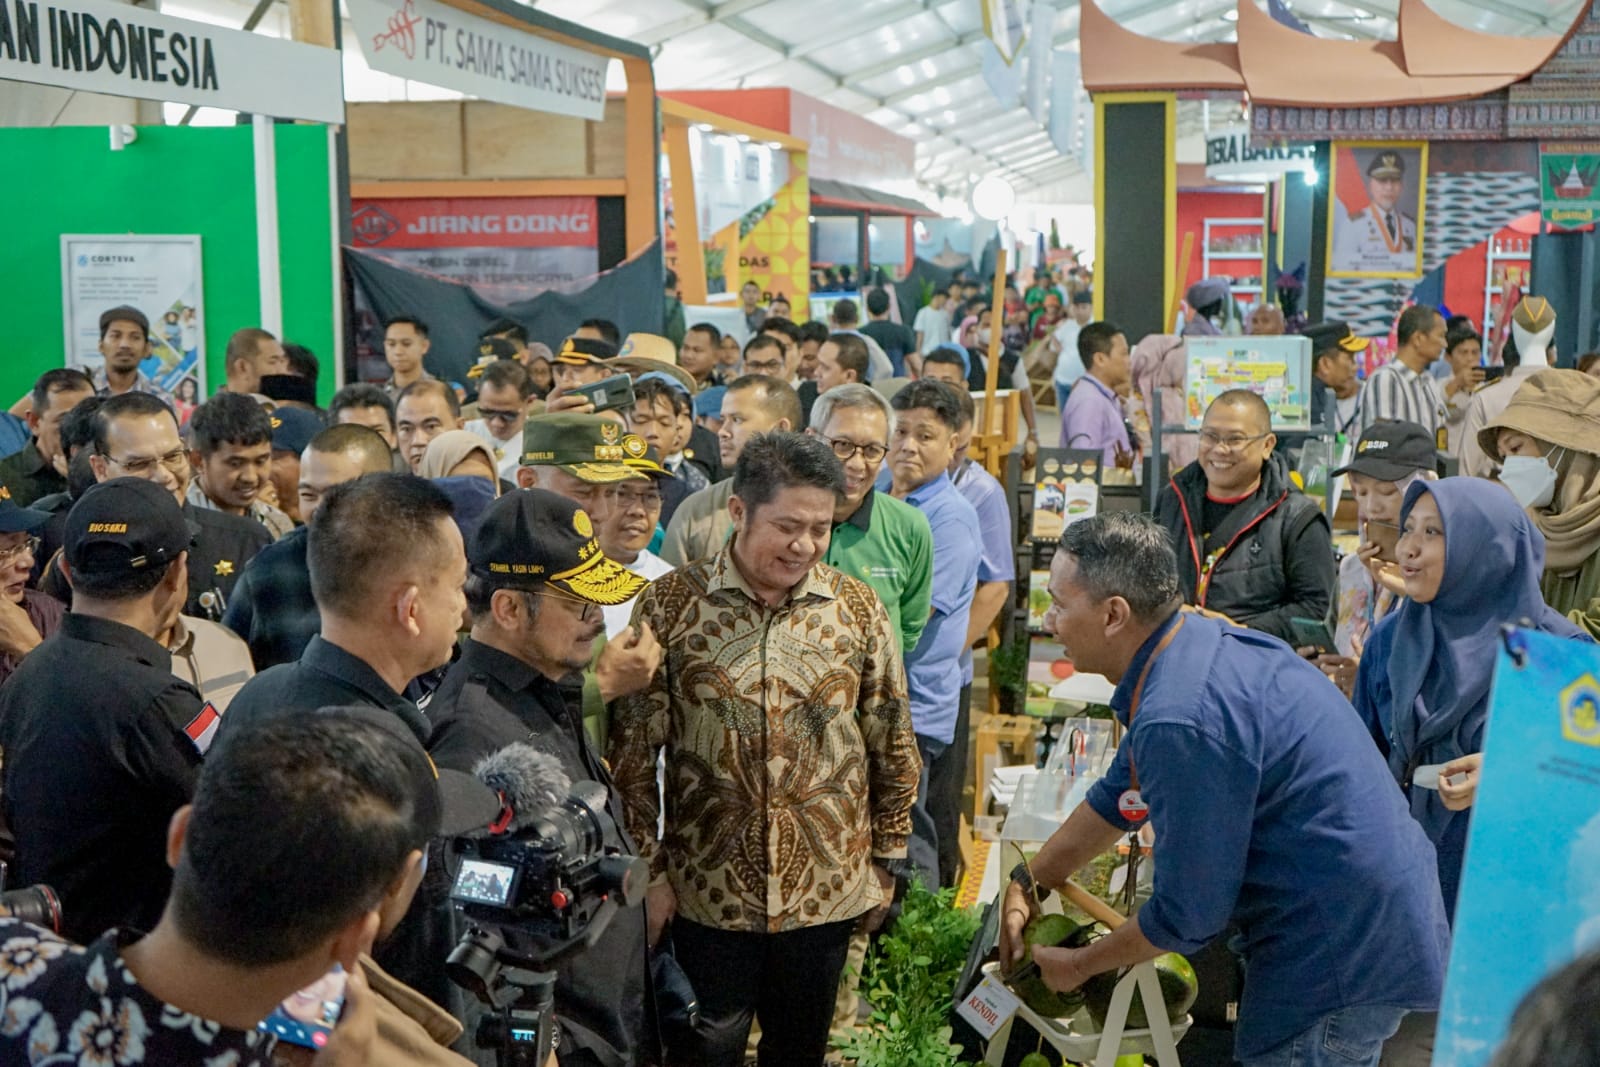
x: 432, y: 42
x: 1231, y: 157
x: 101, y: 47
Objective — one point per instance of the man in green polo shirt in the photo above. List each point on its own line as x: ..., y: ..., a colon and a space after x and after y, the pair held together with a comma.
x: 883, y: 541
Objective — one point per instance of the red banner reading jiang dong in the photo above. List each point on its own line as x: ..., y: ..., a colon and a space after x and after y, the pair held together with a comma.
x: 476, y: 222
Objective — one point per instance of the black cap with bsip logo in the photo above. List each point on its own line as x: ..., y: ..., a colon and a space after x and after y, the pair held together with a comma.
x: 535, y: 538
x: 1390, y: 451
x: 126, y: 524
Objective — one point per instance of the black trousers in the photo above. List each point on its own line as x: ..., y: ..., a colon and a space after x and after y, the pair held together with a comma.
x: 947, y: 780
x: 789, y: 981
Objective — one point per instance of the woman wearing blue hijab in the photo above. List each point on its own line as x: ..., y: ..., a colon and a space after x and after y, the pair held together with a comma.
x: 1472, y: 560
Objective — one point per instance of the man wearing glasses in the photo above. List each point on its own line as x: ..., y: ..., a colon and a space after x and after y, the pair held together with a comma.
x: 27, y: 616
x: 136, y: 436
x: 1250, y: 545
x: 505, y: 395
x: 537, y: 587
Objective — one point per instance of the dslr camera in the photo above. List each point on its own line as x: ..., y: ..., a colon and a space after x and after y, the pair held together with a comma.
x: 537, y: 887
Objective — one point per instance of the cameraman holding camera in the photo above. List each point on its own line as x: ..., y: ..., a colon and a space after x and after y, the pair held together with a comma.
x: 303, y: 845
x: 537, y: 581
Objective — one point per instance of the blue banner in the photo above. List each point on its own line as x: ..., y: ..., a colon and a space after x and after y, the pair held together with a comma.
x: 1530, y: 890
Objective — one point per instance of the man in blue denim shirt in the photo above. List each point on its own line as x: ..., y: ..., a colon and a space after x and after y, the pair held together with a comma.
x: 1271, y: 809
x: 921, y: 446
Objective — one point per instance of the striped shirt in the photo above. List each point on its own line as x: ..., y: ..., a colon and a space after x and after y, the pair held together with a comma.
x: 1396, y: 393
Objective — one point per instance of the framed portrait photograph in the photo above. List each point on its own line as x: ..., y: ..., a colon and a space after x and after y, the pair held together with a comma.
x: 1375, y: 209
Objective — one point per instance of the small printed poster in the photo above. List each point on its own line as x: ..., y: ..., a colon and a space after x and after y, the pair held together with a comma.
x: 1568, y: 177
x: 1068, y: 490
x: 158, y: 274
x: 1277, y: 369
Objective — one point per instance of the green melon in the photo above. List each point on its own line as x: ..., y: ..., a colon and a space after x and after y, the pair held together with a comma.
x: 1051, y: 931
x: 1179, y: 988
x: 1034, y: 1059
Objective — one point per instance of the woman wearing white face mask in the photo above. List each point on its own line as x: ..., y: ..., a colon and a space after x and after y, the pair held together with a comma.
x: 1547, y: 442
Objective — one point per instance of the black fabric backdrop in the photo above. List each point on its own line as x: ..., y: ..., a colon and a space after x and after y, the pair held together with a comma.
x: 629, y: 295
x: 908, y: 290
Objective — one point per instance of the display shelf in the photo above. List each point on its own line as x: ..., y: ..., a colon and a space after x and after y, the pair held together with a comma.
x: 1224, y: 261
x: 1502, y: 251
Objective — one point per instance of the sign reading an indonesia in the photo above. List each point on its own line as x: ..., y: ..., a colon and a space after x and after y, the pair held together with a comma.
x: 102, y: 47
x: 432, y: 42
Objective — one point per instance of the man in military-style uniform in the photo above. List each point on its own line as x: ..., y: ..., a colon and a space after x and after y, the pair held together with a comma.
x: 537, y: 583
x: 1380, y: 237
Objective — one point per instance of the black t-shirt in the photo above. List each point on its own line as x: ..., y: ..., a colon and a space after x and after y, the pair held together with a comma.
x: 897, y: 341
x: 77, y: 1004
x: 96, y: 734
x: 1213, y: 513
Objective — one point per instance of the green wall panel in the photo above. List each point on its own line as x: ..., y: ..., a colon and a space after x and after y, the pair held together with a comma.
x: 175, y: 180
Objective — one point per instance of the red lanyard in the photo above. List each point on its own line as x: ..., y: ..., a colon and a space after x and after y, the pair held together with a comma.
x: 1138, y: 691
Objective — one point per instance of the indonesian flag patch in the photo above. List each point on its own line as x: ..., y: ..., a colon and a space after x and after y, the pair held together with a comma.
x: 204, y: 727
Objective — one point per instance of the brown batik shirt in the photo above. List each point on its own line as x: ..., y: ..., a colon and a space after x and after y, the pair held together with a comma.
x: 790, y: 760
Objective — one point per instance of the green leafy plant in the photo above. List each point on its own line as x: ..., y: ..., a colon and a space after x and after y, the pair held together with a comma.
x: 1008, y: 672
x: 909, y: 981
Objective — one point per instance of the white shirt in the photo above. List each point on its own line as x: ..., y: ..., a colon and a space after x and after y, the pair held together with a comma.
x: 934, y: 326
x: 507, y: 454
x: 648, y: 566
x: 1069, y: 365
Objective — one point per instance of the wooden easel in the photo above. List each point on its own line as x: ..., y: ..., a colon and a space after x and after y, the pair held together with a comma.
x: 996, y: 436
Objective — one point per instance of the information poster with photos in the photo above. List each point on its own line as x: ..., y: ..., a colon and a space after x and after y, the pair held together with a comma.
x: 1277, y: 369
x: 1067, y: 490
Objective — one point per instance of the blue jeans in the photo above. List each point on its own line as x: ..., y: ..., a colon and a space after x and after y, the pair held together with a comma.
x: 1062, y: 392
x: 1352, y: 1036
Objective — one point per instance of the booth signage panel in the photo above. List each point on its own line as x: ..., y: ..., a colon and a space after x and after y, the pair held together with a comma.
x: 1231, y: 156
x: 513, y: 243
x: 845, y: 147
x: 96, y: 46
x: 434, y: 43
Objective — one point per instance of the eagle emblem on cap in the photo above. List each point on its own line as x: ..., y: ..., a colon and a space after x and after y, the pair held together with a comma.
x: 567, y: 348
x: 609, y: 432
x: 581, y: 523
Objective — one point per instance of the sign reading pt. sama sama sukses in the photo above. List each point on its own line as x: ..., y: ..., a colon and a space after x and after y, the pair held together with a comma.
x: 432, y: 42
x: 101, y: 47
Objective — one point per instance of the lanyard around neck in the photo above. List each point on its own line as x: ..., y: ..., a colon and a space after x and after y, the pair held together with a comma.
x: 1138, y: 691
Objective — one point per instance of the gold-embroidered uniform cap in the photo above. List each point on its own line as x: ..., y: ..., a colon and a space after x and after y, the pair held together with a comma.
x: 588, y: 447
x: 536, y: 538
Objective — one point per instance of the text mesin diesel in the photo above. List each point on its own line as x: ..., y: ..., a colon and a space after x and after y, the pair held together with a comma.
x: 79, y: 42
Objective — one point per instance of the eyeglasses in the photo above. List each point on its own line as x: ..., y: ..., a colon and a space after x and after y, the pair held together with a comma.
x: 649, y: 499
x: 761, y: 367
x: 846, y: 450
x: 8, y: 556
x: 588, y: 610
x: 498, y: 416
x: 176, y: 461
x: 1232, y: 443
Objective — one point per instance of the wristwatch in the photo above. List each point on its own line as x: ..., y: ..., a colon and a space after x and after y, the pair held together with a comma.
x: 1024, y: 878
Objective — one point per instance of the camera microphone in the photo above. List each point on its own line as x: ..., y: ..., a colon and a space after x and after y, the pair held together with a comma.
x: 528, y: 780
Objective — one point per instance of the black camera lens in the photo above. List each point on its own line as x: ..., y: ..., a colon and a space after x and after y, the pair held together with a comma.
x: 36, y: 904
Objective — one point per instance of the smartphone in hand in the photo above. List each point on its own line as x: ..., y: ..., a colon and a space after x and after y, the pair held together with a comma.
x: 308, y: 1017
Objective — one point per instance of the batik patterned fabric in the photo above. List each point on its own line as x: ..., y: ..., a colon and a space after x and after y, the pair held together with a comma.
x: 79, y: 1006
x: 790, y: 759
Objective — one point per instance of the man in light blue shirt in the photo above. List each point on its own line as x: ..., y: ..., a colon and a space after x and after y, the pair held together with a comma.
x: 997, y: 570
x: 922, y: 445
x: 1092, y: 418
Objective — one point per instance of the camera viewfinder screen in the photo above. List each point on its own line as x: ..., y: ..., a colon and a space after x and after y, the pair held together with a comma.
x: 484, y: 883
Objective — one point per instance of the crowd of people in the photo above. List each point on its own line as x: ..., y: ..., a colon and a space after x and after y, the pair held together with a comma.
x: 247, y: 635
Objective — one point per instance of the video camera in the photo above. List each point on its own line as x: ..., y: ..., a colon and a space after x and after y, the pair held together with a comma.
x: 538, y: 887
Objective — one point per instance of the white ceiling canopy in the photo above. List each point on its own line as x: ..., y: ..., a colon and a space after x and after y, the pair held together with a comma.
x: 914, y: 66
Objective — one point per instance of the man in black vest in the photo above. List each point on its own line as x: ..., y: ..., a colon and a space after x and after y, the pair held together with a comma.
x: 1250, y: 545
x: 536, y: 586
